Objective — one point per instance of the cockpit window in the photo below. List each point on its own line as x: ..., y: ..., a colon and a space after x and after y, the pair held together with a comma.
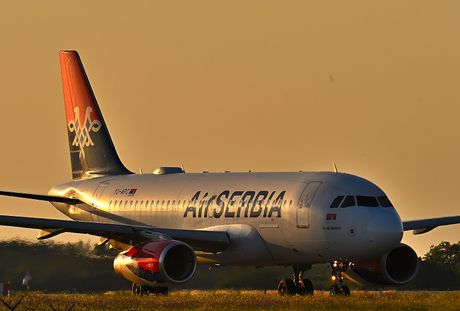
x: 337, y: 201
x: 367, y: 201
x: 384, y: 201
x: 349, y: 201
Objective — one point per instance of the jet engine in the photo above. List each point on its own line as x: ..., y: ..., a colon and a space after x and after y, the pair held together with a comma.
x: 397, y: 267
x: 156, y: 262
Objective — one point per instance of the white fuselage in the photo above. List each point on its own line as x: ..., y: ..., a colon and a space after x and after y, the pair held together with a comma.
x: 271, y: 218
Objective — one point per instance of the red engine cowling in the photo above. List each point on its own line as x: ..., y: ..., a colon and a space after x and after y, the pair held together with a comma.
x: 398, y: 267
x: 157, y: 262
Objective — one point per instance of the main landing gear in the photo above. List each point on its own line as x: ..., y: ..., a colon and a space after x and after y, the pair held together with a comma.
x: 141, y: 290
x: 339, y: 288
x: 297, y: 285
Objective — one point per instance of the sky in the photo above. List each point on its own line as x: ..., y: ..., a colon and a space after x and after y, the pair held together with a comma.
x: 239, y: 85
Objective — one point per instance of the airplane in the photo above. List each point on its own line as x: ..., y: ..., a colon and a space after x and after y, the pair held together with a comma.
x: 166, y: 222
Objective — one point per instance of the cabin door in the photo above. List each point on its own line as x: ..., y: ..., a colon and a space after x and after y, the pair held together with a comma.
x: 303, y: 206
x: 98, y: 203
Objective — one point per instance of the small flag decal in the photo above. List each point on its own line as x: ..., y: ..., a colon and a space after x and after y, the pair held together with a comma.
x: 331, y: 216
x: 132, y: 192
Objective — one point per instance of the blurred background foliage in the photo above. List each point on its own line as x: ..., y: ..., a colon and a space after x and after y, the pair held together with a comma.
x: 82, y: 267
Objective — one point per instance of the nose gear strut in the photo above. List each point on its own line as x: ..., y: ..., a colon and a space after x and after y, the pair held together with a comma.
x: 339, y: 288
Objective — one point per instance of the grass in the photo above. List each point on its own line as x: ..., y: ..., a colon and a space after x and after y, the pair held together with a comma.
x: 241, y: 300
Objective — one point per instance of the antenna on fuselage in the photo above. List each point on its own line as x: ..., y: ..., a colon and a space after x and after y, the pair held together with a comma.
x: 335, y: 168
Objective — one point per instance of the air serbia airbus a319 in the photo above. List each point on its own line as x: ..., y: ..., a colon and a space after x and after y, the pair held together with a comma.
x: 166, y: 222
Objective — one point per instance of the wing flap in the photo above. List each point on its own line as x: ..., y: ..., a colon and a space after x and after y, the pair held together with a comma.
x: 200, y: 240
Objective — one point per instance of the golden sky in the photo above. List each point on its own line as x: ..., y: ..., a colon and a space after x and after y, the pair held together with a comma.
x: 238, y: 85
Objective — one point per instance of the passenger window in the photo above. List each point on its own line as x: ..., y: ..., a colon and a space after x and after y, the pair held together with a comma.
x: 349, y: 201
x: 336, y: 202
x: 367, y: 201
x: 384, y: 201
x: 290, y: 203
x: 126, y: 203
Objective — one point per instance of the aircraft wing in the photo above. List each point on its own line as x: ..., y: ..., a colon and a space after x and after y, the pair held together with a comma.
x: 425, y: 225
x: 200, y: 240
x: 41, y: 197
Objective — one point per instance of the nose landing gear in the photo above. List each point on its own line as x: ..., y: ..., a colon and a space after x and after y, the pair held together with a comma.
x: 297, y: 285
x: 339, y: 288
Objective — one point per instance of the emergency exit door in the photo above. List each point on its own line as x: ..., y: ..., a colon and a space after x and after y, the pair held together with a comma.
x: 97, y: 202
x: 303, y: 206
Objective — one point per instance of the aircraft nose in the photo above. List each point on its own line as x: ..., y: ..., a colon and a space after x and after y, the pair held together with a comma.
x: 385, y: 230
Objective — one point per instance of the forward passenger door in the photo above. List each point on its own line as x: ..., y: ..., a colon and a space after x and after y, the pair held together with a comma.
x: 303, y: 206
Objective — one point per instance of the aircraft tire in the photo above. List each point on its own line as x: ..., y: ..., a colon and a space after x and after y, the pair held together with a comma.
x: 286, y: 287
x: 305, y: 287
x: 137, y: 289
x: 334, y: 290
x: 160, y: 291
x: 345, y: 290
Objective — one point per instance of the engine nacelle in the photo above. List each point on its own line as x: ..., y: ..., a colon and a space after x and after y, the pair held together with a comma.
x: 151, y: 263
x: 397, y: 267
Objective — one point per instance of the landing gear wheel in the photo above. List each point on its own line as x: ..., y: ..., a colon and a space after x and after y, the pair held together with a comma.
x: 140, y: 290
x: 137, y: 289
x: 160, y: 291
x: 286, y: 287
x: 305, y: 287
x: 345, y: 290
x: 334, y: 290
x: 297, y: 285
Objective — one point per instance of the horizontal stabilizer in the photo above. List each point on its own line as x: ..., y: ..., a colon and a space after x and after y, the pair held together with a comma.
x: 200, y: 240
x: 425, y: 225
x: 41, y: 197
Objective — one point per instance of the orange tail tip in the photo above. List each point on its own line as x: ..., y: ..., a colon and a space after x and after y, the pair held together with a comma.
x: 91, y: 149
x: 78, y: 95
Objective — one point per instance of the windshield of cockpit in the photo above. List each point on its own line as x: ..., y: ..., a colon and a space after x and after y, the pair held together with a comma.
x: 343, y: 201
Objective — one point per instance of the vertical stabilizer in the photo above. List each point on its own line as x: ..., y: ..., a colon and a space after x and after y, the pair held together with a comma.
x: 92, y: 153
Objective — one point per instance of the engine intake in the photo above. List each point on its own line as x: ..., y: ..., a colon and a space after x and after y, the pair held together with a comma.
x: 398, y: 267
x: 157, y: 262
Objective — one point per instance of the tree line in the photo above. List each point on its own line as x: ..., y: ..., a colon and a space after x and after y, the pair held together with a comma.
x: 82, y: 267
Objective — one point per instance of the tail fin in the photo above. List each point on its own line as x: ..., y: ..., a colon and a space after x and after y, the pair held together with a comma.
x: 92, y: 153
